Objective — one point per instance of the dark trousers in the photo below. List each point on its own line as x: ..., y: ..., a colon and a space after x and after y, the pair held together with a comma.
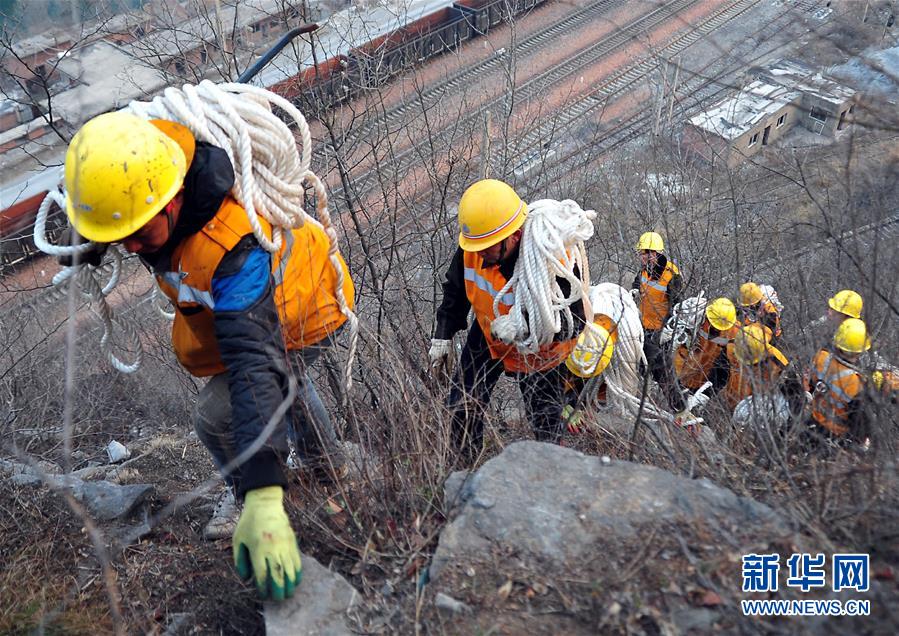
x: 661, y: 369
x: 473, y: 383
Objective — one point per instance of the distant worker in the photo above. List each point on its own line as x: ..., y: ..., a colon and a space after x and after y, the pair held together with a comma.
x: 659, y: 287
x: 755, y: 365
x: 844, y: 304
x: 706, y: 360
x: 755, y: 306
x: 491, y: 230
x: 837, y: 385
x: 165, y: 196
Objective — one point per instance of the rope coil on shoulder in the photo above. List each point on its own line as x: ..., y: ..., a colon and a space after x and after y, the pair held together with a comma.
x: 552, y: 246
x: 271, y: 175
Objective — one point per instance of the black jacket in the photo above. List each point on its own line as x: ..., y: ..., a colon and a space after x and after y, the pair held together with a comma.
x: 249, y: 339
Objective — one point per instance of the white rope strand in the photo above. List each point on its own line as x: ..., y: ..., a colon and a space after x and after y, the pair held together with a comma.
x: 552, y: 246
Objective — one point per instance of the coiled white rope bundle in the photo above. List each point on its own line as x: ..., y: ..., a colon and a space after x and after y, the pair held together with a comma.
x: 684, y: 322
x: 552, y: 246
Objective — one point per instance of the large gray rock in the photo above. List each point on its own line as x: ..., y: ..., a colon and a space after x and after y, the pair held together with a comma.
x: 553, y: 503
x: 318, y: 608
x: 547, y: 540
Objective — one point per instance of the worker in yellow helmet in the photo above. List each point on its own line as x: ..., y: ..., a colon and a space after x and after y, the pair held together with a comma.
x: 165, y: 196
x: 755, y: 365
x: 836, y: 383
x: 658, y: 287
x: 706, y: 360
x: 756, y: 307
x: 842, y: 305
x: 491, y: 229
x: 590, y: 357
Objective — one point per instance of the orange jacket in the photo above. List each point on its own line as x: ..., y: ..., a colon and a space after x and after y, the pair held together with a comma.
x: 766, y: 313
x: 655, y: 304
x: 481, y: 286
x: 694, y: 367
x: 743, y: 380
x: 304, y: 287
x: 834, y: 385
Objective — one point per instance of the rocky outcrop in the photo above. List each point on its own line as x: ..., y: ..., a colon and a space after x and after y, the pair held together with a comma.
x: 319, y: 607
x: 543, y: 534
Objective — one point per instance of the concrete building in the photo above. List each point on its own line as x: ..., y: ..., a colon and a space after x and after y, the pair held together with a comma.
x: 740, y: 126
x: 785, y: 94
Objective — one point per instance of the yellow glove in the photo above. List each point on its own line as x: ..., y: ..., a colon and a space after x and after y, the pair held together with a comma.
x: 265, y: 546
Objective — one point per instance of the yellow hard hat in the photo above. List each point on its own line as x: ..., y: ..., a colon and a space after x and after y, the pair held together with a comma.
x: 721, y: 313
x: 852, y: 336
x: 847, y: 302
x: 489, y: 212
x: 650, y: 241
x: 592, y: 353
x: 120, y: 172
x: 750, y: 294
x: 751, y: 343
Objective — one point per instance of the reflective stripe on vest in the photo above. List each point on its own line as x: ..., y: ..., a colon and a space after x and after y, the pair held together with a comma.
x: 830, y: 408
x: 186, y: 293
x: 654, y: 302
x: 718, y: 340
x: 484, y: 285
x: 646, y: 280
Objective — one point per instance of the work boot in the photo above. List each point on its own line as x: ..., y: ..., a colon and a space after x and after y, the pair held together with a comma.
x: 224, y: 517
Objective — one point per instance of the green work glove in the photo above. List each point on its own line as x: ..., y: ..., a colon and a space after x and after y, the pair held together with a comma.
x: 265, y: 546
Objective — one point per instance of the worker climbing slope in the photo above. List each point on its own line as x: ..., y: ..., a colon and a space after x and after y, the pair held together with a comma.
x: 706, y: 360
x: 526, y: 320
x: 659, y: 287
x: 246, y: 292
x: 755, y: 365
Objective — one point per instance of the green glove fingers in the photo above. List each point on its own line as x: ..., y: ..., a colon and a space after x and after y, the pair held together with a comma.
x: 264, y: 545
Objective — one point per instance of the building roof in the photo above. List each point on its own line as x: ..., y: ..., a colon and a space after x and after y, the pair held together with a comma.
x: 737, y: 115
x: 799, y: 77
x: 106, y: 78
x: 169, y: 41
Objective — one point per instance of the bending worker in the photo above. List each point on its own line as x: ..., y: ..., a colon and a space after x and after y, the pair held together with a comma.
x: 706, y: 360
x: 491, y: 220
x: 660, y: 287
x: 166, y: 197
x: 755, y: 365
x: 837, y: 384
x: 755, y: 307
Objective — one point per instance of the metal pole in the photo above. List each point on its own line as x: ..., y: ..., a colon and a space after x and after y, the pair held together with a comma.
x: 251, y: 72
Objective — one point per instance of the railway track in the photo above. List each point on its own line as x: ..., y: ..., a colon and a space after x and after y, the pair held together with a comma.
x: 398, y: 114
x: 404, y: 161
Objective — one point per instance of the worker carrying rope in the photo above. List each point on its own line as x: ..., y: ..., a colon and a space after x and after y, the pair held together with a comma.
x: 523, y: 271
x: 205, y: 185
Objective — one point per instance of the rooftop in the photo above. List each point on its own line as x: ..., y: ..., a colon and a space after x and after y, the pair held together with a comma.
x: 799, y: 77
x: 108, y: 78
x: 737, y: 115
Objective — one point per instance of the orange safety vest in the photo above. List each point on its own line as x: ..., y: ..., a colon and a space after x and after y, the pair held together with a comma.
x: 307, y: 307
x: 693, y: 367
x: 834, y: 385
x: 481, y: 287
x: 654, y: 305
x: 765, y: 308
x: 742, y: 379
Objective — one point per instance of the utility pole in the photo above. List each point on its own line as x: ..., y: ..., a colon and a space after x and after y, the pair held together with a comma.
x: 485, y: 148
x: 673, y: 89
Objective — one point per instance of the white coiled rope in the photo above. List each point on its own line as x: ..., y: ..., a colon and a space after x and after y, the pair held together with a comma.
x: 270, y: 174
x: 88, y: 282
x: 684, y: 322
x: 551, y: 247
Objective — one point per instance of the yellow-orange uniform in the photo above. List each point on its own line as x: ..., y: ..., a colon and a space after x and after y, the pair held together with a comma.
x: 834, y: 386
x: 307, y: 307
x: 697, y: 366
x: 744, y: 379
